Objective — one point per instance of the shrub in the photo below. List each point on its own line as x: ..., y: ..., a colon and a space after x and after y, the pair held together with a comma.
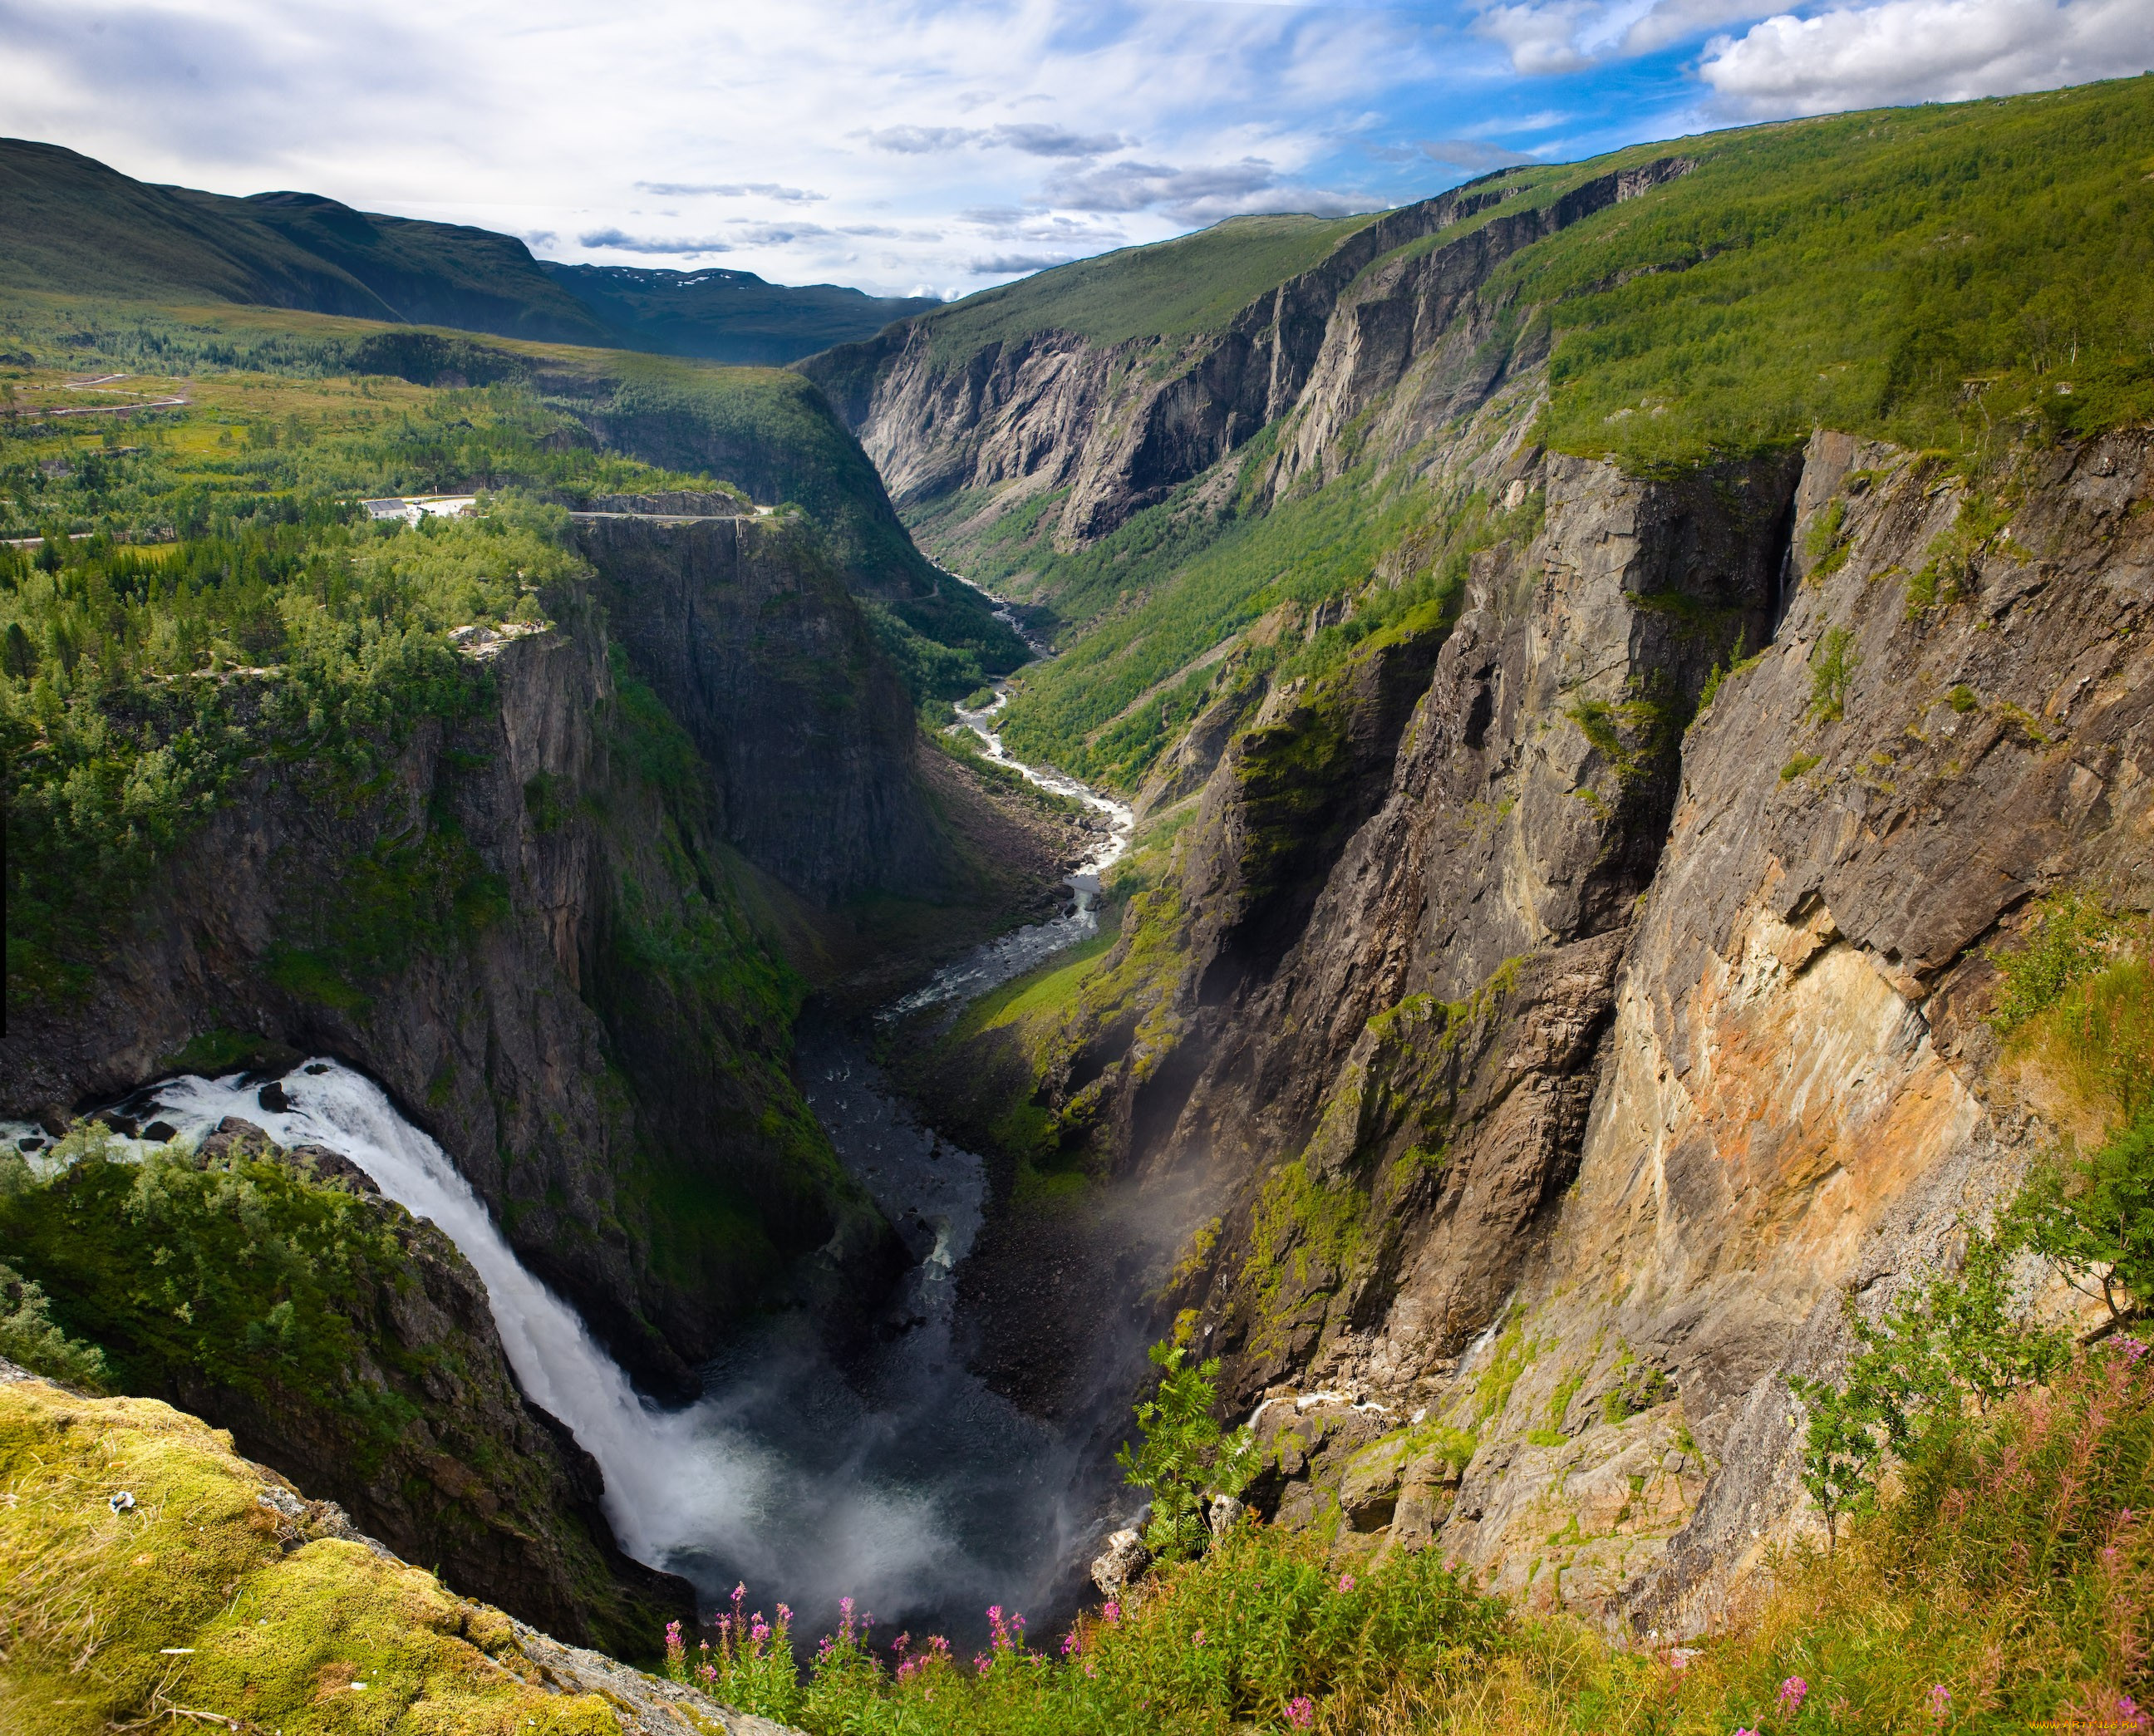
x: 1833, y: 665
x: 1185, y: 1455
x: 30, y: 1339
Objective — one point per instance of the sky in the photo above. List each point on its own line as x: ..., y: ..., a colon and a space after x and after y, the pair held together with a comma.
x: 938, y: 146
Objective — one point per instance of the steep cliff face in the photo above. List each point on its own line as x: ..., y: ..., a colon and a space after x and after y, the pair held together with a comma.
x: 527, y: 928
x: 1121, y: 424
x: 1617, y: 1037
x: 744, y: 629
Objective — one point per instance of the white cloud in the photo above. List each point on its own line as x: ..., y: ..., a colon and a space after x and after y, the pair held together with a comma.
x: 731, y: 190
x: 1926, y: 50
x: 1005, y: 265
x: 1471, y: 154
x: 557, y: 117
x: 1542, y: 38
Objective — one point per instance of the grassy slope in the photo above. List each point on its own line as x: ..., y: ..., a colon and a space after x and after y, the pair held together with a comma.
x: 1944, y: 277
x: 186, y: 1611
x: 766, y: 430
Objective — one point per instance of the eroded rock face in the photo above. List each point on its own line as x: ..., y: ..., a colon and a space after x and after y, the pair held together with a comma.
x: 748, y: 635
x: 1121, y: 426
x: 1549, y: 1105
x: 1767, y: 1084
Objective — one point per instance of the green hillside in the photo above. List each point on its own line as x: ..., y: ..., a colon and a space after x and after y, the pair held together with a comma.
x: 76, y: 227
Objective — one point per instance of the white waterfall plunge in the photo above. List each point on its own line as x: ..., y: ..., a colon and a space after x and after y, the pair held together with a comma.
x: 912, y: 1487
x: 679, y: 1485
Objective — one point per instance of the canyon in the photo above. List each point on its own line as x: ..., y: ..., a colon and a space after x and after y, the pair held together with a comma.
x: 1540, y: 879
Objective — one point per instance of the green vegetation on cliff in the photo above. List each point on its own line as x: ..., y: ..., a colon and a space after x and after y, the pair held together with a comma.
x: 1932, y: 275
x: 1144, y: 604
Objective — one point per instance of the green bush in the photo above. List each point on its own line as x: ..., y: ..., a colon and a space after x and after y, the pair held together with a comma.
x: 1184, y: 1456
x: 238, y: 1271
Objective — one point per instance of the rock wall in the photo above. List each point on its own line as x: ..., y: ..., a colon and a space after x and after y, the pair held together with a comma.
x: 527, y: 928
x: 1121, y: 426
x: 1550, y: 1099
x: 746, y: 631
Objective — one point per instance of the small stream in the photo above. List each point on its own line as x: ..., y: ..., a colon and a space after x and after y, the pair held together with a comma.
x: 904, y: 1482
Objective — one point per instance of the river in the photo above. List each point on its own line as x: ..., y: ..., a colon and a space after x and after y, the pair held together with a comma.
x: 898, y: 1479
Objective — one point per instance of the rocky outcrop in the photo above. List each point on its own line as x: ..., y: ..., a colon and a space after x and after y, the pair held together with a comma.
x: 1121, y: 426
x: 224, y: 1596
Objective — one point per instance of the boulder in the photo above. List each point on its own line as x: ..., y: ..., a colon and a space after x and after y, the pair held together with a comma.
x: 1119, y: 1563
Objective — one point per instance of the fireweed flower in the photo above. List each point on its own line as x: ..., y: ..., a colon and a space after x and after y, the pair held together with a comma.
x: 1345, y: 1582
x: 1940, y: 1700
x: 1200, y: 1636
x: 1112, y: 1614
x: 1301, y: 1712
x: 1792, y: 1692
x: 2126, y: 1715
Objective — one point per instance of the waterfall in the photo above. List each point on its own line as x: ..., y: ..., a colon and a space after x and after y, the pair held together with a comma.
x: 924, y: 1495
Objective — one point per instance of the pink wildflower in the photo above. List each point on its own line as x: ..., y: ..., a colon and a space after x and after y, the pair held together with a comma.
x: 1301, y: 1712
x: 1940, y: 1700
x: 1112, y: 1614
x: 1200, y: 1636
x: 981, y: 1663
x: 2126, y: 1714
x: 2133, y: 1348
x: 1793, y: 1692
x: 1345, y: 1582
x: 1072, y: 1643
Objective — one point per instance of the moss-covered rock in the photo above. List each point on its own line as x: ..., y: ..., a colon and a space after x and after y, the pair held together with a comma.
x: 154, y: 1575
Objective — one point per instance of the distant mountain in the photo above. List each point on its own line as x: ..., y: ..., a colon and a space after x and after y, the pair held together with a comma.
x: 73, y: 226
x: 729, y: 316
x: 70, y: 225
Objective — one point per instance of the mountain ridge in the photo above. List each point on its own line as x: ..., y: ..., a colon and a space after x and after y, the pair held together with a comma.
x: 76, y: 226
